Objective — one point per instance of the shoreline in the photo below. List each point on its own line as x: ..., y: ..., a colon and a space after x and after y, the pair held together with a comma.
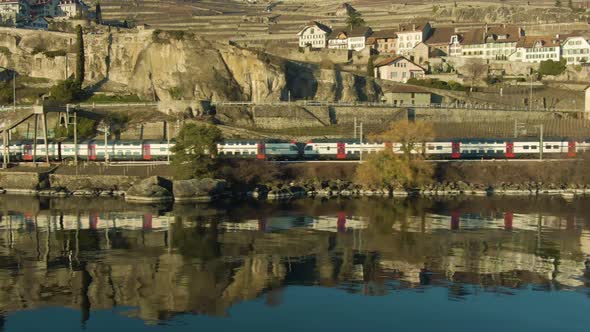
x: 293, y: 194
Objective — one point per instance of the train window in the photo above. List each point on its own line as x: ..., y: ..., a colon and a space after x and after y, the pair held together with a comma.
x: 547, y: 147
x: 309, y: 148
x: 556, y: 146
x: 430, y: 147
x: 438, y: 147
x: 526, y: 147
x: 473, y: 151
x: 293, y: 148
x: 534, y: 147
x: 327, y: 148
x: 499, y: 151
x: 482, y: 151
x: 490, y: 151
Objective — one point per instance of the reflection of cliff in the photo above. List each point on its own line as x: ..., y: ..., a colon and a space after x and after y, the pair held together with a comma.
x: 196, y: 262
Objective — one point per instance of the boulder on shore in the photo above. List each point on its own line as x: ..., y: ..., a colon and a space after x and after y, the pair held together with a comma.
x: 152, y: 189
x: 198, y: 190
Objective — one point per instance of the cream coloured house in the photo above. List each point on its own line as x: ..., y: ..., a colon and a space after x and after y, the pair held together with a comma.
x: 13, y: 11
x: 398, y: 69
x: 410, y: 35
x: 576, y: 50
x: 314, y: 35
x: 536, y: 49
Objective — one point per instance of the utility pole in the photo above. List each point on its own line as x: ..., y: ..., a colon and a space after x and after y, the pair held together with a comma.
x: 361, y: 141
x: 354, y: 128
x: 168, y: 141
x: 541, y: 142
x: 75, y: 137
x: 14, y: 91
x: 106, y: 143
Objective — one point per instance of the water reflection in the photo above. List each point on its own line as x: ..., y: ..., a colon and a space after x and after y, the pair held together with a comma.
x: 163, y: 261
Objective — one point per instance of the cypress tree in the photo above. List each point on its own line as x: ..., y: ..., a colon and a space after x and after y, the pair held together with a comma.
x: 98, y: 14
x: 80, y: 56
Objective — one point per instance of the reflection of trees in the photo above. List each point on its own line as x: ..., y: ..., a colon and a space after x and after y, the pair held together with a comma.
x: 196, y: 267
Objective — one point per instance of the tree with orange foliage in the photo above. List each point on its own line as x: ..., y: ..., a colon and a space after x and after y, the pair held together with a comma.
x: 407, y: 169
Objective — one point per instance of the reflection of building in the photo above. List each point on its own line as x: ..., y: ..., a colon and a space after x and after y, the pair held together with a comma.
x: 192, y: 266
x: 13, y: 12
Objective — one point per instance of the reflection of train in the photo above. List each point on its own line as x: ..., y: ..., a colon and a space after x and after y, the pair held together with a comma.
x: 96, y: 150
x: 473, y: 221
x: 92, y: 221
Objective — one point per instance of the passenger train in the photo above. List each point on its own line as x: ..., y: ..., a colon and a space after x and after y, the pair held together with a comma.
x: 312, y: 150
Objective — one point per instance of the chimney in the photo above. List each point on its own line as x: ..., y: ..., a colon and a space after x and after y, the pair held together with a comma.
x: 557, y: 36
x: 413, y: 27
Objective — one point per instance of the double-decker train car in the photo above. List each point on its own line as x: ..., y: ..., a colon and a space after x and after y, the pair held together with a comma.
x: 456, y: 149
x: 118, y: 150
x: 259, y: 150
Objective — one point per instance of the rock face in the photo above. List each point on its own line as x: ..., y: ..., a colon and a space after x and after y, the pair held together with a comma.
x: 152, y: 189
x: 198, y: 190
x: 172, y: 66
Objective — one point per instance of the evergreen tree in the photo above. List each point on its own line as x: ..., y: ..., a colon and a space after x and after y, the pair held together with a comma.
x: 557, y: 3
x: 98, y: 13
x: 80, y: 69
x: 355, y: 20
x: 371, y: 67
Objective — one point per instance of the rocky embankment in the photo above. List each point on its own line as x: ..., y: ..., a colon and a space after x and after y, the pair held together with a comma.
x: 158, y: 189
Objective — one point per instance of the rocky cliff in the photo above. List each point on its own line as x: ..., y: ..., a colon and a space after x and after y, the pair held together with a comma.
x: 173, y: 65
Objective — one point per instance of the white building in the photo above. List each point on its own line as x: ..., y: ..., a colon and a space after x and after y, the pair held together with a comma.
x: 13, y: 11
x: 411, y: 35
x: 72, y: 8
x: 576, y: 50
x: 496, y: 43
x: 314, y: 35
x: 349, y: 39
x: 537, y: 49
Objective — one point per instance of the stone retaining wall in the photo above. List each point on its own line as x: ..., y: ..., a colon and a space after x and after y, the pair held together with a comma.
x: 92, y: 182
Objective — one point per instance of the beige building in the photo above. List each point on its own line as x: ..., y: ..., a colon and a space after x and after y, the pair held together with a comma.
x: 490, y: 42
x: 349, y: 39
x: 383, y: 41
x: 314, y: 35
x: 72, y: 8
x: 13, y: 11
x: 398, y: 69
x: 537, y: 49
x: 410, y: 35
x: 576, y: 50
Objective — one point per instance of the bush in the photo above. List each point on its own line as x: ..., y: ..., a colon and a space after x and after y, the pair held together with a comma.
x: 53, y: 54
x: 6, y: 93
x: 86, y: 128
x: 194, y: 151
x: 176, y: 93
x: 249, y: 173
x: 437, y: 84
x: 67, y: 91
x: 550, y: 67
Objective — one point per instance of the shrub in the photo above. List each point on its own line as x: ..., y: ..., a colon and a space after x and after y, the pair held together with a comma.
x: 437, y: 84
x: 53, y: 54
x: 550, y: 67
x: 67, y: 91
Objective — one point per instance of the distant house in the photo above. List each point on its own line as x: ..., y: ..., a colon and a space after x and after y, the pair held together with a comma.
x: 314, y: 35
x: 407, y: 95
x: 410, y: 35
x: 383, y: 41
x: 398, y: 69
x: 420, y: 54
x: 576, y: 50
x: 14, y: 11
x: 349, y: 39
x: 40, y: 23
x: 496, y: 43
x: 440, y: 41
x: 537, y: 49
x: 72, y: 8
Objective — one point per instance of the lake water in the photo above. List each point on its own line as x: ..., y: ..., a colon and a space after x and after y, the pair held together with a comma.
x: 462, y: 264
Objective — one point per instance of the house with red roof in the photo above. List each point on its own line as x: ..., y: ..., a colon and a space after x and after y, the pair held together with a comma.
x: 398, y: 69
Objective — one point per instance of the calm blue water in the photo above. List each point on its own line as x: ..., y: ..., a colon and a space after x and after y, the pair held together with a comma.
x: 460, y: 265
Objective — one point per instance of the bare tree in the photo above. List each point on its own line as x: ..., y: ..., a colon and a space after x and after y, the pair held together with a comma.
x: 475, y: 70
